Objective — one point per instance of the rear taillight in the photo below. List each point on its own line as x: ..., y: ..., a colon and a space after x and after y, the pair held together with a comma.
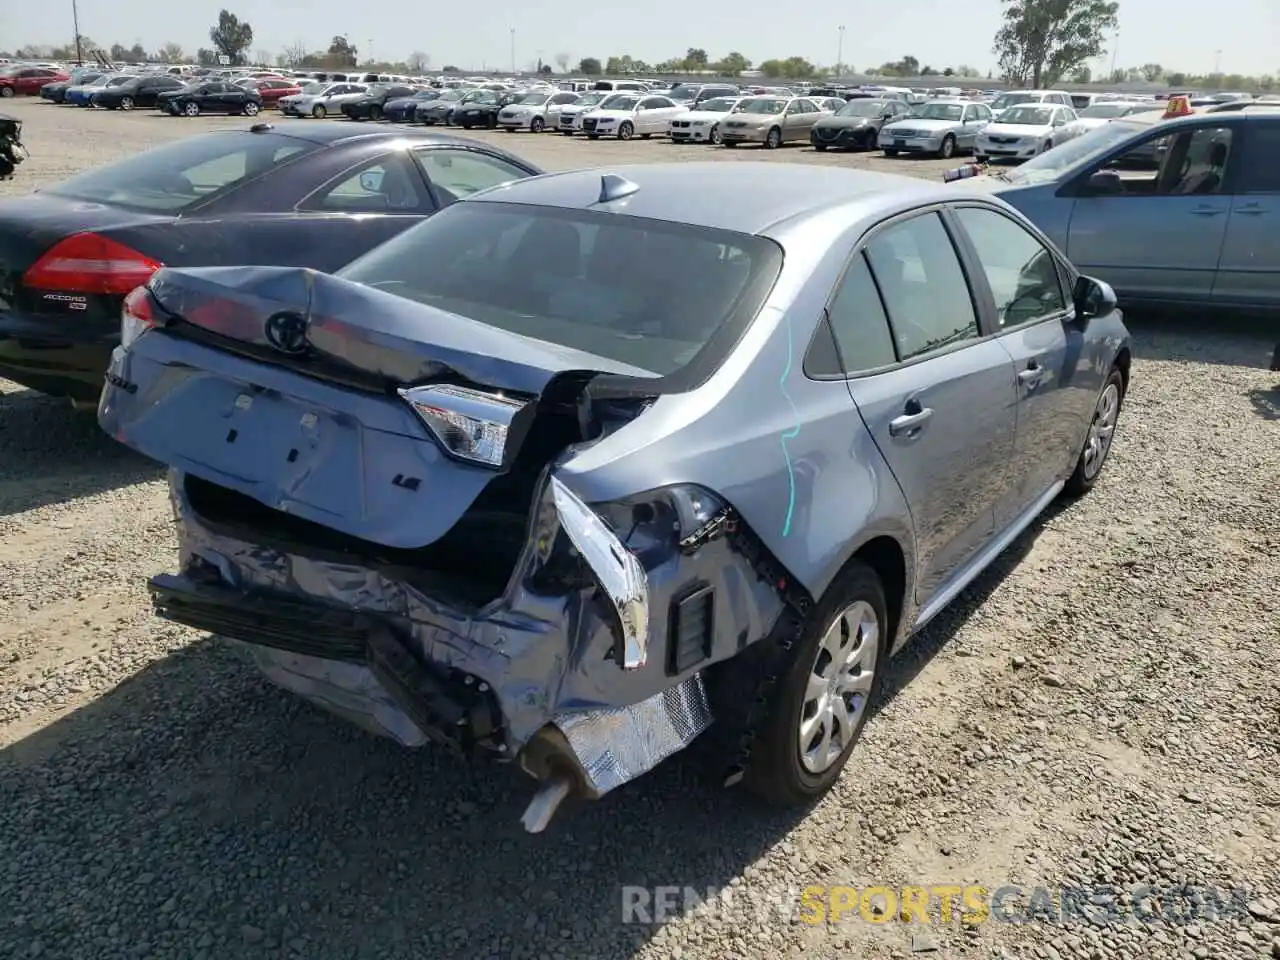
x: 92, y: 264
x: 137, y: 317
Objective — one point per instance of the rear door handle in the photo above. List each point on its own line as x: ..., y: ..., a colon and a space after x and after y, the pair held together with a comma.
x: 910, y: 422
x: 1208, y: 211
x: 1251, y: 210
x: 1032, y: 375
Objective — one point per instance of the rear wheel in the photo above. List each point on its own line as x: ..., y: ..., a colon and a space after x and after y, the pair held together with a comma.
x: 891, y: 153
x: 537, y: 125
x: 773, y: 140
x: 948, y: 149
x: 714, y: 135
x: 6, y: 92
x: 821, y: 700
x: 819, y: 147
x: 191, y: 108
x: 1102, y: 431
x: 251, y: 108
x: 626, y: 131
x: 319, y: 112
x: 126, y: 103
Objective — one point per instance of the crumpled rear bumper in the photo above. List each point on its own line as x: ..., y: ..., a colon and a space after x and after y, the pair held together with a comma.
x: 528, y: 669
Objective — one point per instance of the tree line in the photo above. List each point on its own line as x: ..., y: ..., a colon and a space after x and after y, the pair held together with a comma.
x: 1040, y: 43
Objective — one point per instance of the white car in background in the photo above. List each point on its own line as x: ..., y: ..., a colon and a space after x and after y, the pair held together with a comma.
x: 1104, y: 111
x: 703, y: 124
x: 627, y: 115
x: 321, y: 99
x: 536, y: 111
x: 1025, y: 131
x: 571, y: 114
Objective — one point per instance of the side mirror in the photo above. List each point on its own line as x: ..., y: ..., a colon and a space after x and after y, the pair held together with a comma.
x: 371, y: 181
x: 1092, y: 298
x: 1104, y: 183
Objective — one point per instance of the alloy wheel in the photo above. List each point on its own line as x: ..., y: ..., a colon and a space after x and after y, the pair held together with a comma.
x: 839, y: 686
x: 1102, y: 430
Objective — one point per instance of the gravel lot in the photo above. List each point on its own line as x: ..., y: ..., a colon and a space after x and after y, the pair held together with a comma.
x: 1101, y: 709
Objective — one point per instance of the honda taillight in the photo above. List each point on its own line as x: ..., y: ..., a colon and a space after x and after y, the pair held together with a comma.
x: 137, y: 317
x: 92, y: 264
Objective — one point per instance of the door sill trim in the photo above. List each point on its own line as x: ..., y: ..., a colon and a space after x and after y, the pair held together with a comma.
x: 985, y: 556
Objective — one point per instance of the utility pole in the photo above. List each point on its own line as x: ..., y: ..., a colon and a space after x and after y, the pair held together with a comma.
x: 1115, y: 53
x: 513, y: 51
x: 1217, y: 63
x: 840, y: 52
x: 75, y: 22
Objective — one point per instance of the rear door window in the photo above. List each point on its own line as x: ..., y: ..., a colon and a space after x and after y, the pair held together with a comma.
x: 457, y: 173
x: 185, y: 173
x: 1262, y: 173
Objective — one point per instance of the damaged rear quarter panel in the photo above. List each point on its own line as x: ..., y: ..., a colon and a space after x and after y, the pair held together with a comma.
x: 790, y: 454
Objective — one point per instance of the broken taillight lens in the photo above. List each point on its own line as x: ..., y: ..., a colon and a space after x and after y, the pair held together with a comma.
x: 137, y: 316
x: 471, y: 425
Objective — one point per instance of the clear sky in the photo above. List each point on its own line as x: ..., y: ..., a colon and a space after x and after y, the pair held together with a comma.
x: 1179, y: 35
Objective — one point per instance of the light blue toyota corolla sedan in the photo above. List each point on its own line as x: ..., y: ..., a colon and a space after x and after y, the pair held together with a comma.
x: 641, y: 454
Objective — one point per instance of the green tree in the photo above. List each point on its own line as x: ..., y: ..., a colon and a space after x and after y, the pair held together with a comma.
x: 118, y: 52
x: 1176, y: 79
x: 1151, y: 72
x: 695, y: 58
x: 172, y: 52
x: 1081, y: 74
x: 206, y: 57
x: 1042, y: 41
x: 589, y: 67
x: 733, y: 64
x: 792, y: 68
x: 231, y: 37
x: 342, y: 53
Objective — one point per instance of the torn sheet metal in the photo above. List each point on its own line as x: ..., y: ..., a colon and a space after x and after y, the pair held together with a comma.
x: 550, y: 656
x: 618, y: 744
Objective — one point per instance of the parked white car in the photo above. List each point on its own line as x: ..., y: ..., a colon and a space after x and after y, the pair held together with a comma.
x: 536, y: 111
x: 1024, y: 131
x: 626, y: 115
x: 571, y: 114
x: 321, y: 99
x: 703, y: 124
x: 1104, y: 111
x: 1014, y: 98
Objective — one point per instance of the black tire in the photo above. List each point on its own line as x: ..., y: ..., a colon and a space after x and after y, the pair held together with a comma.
x: 820, y: 147
x: 979, y: 158
x: 466, y: 126
x: 777, y: 771
x: 1092, y: 458
x: 319, y: 112
x: 126, y: 103
x: 251, y: 108
x: 891, y: 153
x: 6, y: 92
x: 191, y: 109
x: 773, y: 139
x: 625, y: 130
x: 537, y: 125
x: 375, y: 112
x: 1048, y: 145
x: 593, y: 136
x: 948, y: 149
x: 714, y: 136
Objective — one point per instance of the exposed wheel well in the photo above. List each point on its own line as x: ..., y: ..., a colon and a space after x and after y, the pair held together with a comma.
x: 1123, y: 359
x: 885, y: 557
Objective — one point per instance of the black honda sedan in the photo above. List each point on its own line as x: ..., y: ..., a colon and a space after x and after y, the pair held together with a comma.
x: 138, y: 92
x: 214, y: 96
x: 369, y: 107
x: 318, y: 195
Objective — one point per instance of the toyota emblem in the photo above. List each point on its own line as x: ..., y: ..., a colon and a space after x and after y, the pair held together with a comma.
x: 287, y: 332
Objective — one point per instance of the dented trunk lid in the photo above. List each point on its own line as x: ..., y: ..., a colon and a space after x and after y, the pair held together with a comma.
x: 320, y: 433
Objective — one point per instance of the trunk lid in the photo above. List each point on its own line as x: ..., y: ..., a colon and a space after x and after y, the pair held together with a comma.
x: 322, y: 434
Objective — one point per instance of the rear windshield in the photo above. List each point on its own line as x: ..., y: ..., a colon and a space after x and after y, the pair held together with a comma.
x: 581, y: 279
x: 181, y: 174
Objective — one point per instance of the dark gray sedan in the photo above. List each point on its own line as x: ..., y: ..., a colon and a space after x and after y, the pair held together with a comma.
x: 855, y: 125
x: 631, y: 456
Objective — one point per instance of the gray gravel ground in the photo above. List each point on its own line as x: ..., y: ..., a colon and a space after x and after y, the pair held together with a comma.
x: 1101, y: 709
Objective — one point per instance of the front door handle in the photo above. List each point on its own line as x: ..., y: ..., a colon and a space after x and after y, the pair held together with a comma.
x: 1251, y: 210
x: 911, y: 422
x: 1208, y: 211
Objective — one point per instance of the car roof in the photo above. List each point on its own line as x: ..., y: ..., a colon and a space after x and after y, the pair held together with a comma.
x: 746, y: 197
x: 334, y: 133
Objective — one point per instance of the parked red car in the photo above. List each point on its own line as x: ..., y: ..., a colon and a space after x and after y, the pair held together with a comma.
x: 271, y: 89
x: 27, y: 81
